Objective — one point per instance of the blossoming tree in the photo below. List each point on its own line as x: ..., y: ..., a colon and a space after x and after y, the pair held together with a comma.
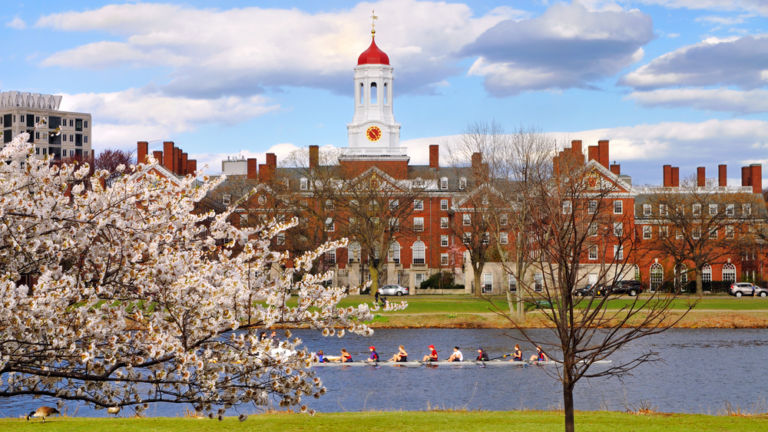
x: 122, y: 295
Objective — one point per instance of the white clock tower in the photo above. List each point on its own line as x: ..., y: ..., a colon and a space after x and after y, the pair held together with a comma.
x: 373, y: 131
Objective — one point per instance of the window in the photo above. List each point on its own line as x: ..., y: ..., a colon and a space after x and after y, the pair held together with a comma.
x: 330, y: 257
x: 443, y: 222
x: 706, y: 273
x: 746, y: 210
x: 592, y: 229
x: 486, y: 238
x: 225, y: 199
x: 512, y: 283
x: 418, y: 204
x: 467, y: 237
x: 85, y: 124
x: 374, y: 93
x: 663, y: 210
x: 593, y: 252
x: 663, y: 231
x: 729, y: 272
x: 353, y: 252
x: 419, y: 250
x: 462, y: 183
x: 729, y: 232
x: 444, y: 259
x: 730, y: 210
x: 503, y: 238
x: 329, y: 225
x: 485, y: 200
x: 618, y: 252
x: 713, y: 209
x: 538, y: 282
x: 394, y: 224
x: 85, y: 139
x: 487, y: 282
x: 418, y: 224
x: 567, y: 207
x: 696, y: 232
x: 444, y: 241
x: 646, y: 209
x: 384, y: 95
x: 618, y: 229
x: 696, y: 209
x: 657, y: 276
x: 647, y: 232
x: 362, y: 93
x: 394, y: 252
x: 678, y: 233
x: 444, y: 183
x: 280, y: 238
x: 592, y: 207
x: 443, y: 204
x: 618, y: 207
x: 466, y: 219
x: 328, y: 205
x: 503, y: 220
x: 418, y: 182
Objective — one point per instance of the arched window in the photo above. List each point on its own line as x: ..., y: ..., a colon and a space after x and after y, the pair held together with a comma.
x: 729, y: 272
x: 394, y: 252
x: 706, y: 273
x: 374, y: 93
x: 419, y: 252
x: 657, y: 276
x: 637, y: 272
x: 385, y: 95
x: 362, y: 93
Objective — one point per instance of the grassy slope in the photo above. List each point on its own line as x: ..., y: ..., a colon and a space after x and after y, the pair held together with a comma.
x: 522, y: 421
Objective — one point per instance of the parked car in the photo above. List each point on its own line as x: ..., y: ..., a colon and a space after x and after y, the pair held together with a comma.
x: 393, y: 289
x: 585, y: 291
x: 739, y: 289
x: 631, y: 287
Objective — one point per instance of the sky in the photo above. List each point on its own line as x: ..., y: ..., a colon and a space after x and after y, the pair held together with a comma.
x: 683, y: 82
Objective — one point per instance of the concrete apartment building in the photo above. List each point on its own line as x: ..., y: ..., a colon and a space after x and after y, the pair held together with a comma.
x: 61, y: 134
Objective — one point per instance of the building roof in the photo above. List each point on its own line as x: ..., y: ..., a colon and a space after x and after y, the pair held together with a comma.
x: 373, y: 55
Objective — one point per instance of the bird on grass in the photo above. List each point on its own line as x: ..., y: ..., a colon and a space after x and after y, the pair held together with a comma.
x: 43, y: 412
x: 114, y: 410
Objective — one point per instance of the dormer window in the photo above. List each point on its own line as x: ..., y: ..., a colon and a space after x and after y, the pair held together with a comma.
x: 225, y: 199
x: 462, y: 183
x: 444, y: 183
x: 418, y: 182
x: 303, y: 183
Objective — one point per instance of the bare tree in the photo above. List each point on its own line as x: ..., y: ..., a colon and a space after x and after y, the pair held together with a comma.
x: 575, y: 230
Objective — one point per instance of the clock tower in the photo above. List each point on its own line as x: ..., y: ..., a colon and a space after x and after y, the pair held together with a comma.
x: 373, y: 132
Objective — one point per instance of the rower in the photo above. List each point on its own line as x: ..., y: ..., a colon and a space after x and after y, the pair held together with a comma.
x: 432, y: 356
x: 346, y: 357
x: 374, y: 357
x: 457, y: 356
x: 401, y: 356
x: 481, y: 355
x: 539, y: 356
x: 518, y: 354
x: 320, y: 356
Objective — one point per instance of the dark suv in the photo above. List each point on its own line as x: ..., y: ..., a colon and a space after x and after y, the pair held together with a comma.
x: 631, y: 287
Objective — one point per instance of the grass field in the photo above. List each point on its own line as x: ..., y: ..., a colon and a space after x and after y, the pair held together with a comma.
x: 431, y: 421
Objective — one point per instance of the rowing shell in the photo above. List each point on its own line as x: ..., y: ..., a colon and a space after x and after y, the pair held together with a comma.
x: 448, y: 363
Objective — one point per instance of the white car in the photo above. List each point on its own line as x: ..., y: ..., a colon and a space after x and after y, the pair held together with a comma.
x: 739, y: 289
x: 393, y: 289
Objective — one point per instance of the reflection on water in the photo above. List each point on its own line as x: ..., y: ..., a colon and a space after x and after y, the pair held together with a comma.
x: 696, y: 375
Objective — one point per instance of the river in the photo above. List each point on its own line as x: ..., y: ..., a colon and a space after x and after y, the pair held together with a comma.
x: 700, y: 372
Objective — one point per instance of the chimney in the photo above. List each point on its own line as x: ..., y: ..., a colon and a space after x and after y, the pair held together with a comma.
x: 252, y: 168
x: 757, y: 178
x: 266, y: 173
x: 746, y: 176
x: 667, y: 175
x: 602, y: 152
x: 434, y: 156
x: 477, y: 160
x: 722, y: 175
x: 576, y: 152
x: 556, y: 165
x: 592, y: 153
x: 158, y: 155
x: 616, y: 169
x: 142, y: 150
x: 183, y: 166
x: 176, y: 160
x: 192, y: 166
x: 675, y: 177
x: 314, y: 157
x: 272, y: 160
x: 701, y: 176
x: 168, y: 155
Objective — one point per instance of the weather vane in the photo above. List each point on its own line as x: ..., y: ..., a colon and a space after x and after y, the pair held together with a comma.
x: 373, y: 22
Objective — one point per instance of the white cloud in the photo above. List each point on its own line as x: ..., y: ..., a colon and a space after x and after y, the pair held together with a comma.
x: 122, y: 118
x: 16, y: 23
x: 756, y: 6
x: 240, y: 51
x: 745, y: 102
x: 567, y: 46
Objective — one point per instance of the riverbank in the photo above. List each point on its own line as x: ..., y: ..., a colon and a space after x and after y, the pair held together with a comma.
x: 408, y: 421
x: 461, y: 311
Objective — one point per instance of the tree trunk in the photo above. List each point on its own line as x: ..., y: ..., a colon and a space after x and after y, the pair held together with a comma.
x: 476, y: 278
x: 374, y: 272
x: 510, y: 303
x: 699, y: 283
x: 568, y: 403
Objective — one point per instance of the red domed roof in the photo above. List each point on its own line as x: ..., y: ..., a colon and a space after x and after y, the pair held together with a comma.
x: 373, y: 55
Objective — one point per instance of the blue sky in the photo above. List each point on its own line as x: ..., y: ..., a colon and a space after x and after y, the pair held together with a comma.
x: 667, y: 81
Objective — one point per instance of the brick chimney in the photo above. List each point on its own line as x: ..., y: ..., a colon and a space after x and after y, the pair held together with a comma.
x: 722, y: 175
x: 176, y: 160
x: 192, y: 166
x: 184, y: 161
x: 142, y: 150
x: 592, y: 153
x: 756, y: 171
x: 272, y: 160
x: 576, y: 152
x: 675, y: 177
x: 616, y: 169
x: 168, y: 155
x: 667, y: 175
x: 746, y: 176
x: 158, y: 155
x: 314, y: 157
x: 434, y: 156
x: 252, y: 169
x: 602, y: 152
x: 701, y: 176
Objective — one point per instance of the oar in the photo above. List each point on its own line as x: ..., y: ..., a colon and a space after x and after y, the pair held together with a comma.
x: 500, y: 357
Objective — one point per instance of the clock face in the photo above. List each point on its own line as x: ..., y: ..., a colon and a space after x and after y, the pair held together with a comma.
x: 373, y: 133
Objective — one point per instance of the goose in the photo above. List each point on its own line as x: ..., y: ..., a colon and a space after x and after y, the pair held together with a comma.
x: 113, y: 410
x: 43, y: 412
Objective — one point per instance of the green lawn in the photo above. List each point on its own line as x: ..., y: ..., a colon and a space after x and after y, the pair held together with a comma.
x: 533, y: 421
